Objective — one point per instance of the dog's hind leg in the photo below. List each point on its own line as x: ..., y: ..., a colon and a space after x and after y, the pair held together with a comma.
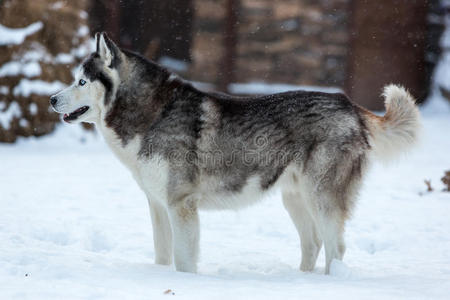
x: 162, y: 233
x: 335, y: 195
x: 306, y: 227
x: 331, y: 228
x: 185, y: 226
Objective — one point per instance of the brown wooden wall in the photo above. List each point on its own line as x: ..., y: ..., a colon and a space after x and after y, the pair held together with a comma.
x: 301, y: 42
x: 387, y: 46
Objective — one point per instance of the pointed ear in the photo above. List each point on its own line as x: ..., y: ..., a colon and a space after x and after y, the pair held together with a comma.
x: 97, y: 41
x: 107, y: 50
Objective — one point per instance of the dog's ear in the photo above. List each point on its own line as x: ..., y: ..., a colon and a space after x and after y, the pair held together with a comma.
x: 97, y: 42
x: 107, y: 50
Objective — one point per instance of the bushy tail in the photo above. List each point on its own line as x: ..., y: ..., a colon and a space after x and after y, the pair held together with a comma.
x: 398, y: 129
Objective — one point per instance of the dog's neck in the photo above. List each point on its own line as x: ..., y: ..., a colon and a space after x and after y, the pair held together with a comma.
x: 139, y: 104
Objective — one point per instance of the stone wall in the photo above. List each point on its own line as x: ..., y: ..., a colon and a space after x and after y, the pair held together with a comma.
x: 290, y: 41
x: 41, y: 42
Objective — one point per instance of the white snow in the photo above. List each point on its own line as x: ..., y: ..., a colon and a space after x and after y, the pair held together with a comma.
x: 33, y: 108
x: 23, y: 122
x: 31, y: 69
x: 203, y: 86
x: 27, y: 87
x: 27, y: 63
x: 6, y: 116
x: 4, y: 90
x: 173, y: 63
x: 36, y: 53
x: 74, y: 225
x: 16, y: 36
x: 57, y: 5
x: 271, y: 88
x: 83, y: 31
x: 83, y: 49
x: 64, y: 58
x: 83, y: 14
x: 15, y: 68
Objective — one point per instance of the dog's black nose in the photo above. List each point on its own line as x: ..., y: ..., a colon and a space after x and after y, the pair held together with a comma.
x: 53, y: 100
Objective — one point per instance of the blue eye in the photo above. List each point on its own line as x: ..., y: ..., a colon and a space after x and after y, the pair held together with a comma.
x: 82, y: 82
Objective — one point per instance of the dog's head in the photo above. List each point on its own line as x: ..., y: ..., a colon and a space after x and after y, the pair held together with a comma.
x: 94, y: 86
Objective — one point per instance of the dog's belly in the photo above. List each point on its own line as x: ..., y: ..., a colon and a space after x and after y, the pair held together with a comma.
x: 213, y: 195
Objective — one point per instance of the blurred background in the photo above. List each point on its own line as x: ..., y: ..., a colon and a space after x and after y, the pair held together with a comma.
x: 234, y: 46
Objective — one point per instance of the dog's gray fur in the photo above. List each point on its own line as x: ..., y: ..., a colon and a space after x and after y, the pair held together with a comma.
x: 190, y: 149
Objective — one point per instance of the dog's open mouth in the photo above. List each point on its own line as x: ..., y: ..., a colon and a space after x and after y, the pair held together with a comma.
x: 75, y: 114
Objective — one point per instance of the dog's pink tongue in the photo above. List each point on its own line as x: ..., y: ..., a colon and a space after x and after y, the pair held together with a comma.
x: 66, y: 115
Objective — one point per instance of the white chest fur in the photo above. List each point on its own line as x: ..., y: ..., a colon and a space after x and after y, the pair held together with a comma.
x: 151, y: 174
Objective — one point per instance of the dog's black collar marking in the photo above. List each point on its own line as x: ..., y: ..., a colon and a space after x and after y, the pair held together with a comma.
x: 107, y: 83
x: 93, y: 72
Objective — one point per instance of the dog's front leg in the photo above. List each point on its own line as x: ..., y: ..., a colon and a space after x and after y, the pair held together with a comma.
x: 184, y: 219
x: 162, y: 233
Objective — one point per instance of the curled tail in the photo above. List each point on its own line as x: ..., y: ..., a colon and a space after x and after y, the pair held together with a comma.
x: 398, y: 129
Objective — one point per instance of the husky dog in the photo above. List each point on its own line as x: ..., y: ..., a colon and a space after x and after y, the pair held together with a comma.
x: 190, y: 150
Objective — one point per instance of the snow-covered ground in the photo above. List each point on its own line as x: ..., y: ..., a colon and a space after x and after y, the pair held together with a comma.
x: 74, y: 225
